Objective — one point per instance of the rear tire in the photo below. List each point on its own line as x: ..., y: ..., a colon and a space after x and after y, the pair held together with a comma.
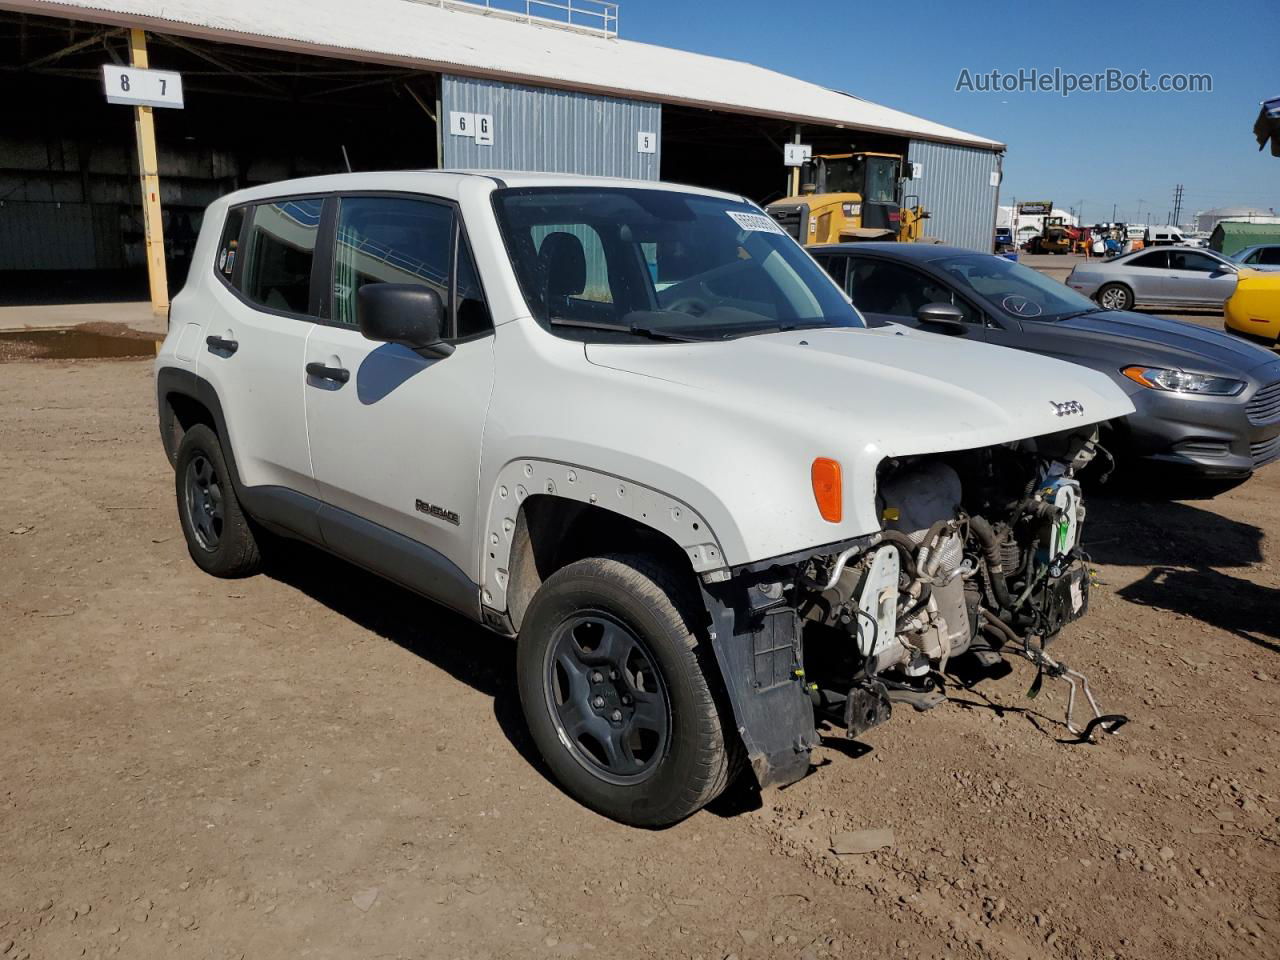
x: 1115, y: 296
x: 219, y: 536
x: 618, y: 692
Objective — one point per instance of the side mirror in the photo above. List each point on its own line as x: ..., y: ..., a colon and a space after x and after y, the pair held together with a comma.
x: 404, y: 313
x: 946, y: 316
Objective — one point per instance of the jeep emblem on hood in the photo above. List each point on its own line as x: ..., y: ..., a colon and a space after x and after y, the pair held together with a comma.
x: 1067, y: 407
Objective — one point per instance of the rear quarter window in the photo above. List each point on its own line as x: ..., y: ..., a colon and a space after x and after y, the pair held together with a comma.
x: 224, y: 260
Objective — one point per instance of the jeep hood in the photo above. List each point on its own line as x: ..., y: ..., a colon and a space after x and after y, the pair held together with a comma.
x: 902, y: 390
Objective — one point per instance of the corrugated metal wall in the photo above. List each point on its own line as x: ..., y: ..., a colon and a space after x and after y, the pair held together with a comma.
x: 536, y: 128
x: 956, y: 187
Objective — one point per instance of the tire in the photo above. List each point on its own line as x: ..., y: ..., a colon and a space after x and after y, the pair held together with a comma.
x: 1120, y: 297
x: 219, y: 536
x: 618, y: 692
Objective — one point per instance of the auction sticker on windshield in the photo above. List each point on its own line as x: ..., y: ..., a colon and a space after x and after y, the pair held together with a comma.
x: 755, y: 222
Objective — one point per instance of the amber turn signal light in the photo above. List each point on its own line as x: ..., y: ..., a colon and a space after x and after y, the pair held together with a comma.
x: 827, y: 489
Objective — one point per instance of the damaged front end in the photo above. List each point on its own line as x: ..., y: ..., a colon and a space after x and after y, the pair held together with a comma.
x: 978, y: 557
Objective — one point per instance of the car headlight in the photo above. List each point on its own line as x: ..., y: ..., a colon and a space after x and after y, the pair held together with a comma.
x: 1178, y: 381
x: 852, y: 209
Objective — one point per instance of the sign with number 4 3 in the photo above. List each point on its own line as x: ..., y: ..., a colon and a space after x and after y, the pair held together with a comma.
x: 142, y: 88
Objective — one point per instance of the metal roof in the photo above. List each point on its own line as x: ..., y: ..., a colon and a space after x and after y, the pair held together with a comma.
x: 450, y: 40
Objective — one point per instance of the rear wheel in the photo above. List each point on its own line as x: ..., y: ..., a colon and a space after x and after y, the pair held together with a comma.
x: 1115, y: 296
x: 219, y: 537
x: 618, y: 694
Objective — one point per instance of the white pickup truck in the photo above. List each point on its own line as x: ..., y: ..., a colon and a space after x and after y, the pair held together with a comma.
x: 636, y: 427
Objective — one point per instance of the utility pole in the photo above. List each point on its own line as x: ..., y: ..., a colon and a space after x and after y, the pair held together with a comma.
x: 1113, y: 213
x: 149, y: 175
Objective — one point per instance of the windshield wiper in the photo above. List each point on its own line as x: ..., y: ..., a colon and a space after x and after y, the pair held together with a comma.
x: 635, y: 329
x: 1078, y: 313
x: 789, y: 327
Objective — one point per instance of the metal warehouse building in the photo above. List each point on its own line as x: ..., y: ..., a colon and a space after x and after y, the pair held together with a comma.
x: 296, y: 87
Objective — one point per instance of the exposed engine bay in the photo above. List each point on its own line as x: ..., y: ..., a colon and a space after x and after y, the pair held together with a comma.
x: 979, y: 557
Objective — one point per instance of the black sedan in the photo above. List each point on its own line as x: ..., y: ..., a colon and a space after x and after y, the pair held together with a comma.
x: 1206, y: 401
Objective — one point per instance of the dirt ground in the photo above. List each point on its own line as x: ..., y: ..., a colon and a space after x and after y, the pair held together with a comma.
x: 312, y: 763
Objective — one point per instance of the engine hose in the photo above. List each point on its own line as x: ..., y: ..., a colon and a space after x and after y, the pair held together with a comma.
x: 1000, y: 626
x: 991, y: 546
x: 926, y: 559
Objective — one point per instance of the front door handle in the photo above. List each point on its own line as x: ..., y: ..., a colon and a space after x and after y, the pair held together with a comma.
x: 321, y: 372
x: 222, y: 345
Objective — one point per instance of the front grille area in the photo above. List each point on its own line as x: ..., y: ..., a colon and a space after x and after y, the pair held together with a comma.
x: 1264, y: 408
x: 1265, y: 451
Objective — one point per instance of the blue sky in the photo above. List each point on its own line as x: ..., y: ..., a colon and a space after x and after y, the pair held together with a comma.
x: 1097, y: 147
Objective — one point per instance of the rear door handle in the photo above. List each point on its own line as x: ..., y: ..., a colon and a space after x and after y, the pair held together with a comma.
x: 219, y: 343
x: 321, y: 372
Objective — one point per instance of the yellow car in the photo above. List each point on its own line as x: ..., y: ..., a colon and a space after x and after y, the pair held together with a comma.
x: 1254, y: 309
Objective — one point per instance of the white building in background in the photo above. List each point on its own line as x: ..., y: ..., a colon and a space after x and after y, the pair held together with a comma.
x: 1207, y: 220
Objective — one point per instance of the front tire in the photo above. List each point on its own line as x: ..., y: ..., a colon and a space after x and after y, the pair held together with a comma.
x: 618, y: 692
x: 219, y: 537
x: 1115, y: 296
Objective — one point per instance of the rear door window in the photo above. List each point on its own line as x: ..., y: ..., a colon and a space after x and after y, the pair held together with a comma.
x: 1269, y: 256
x: 280, y: 252
x: 834, y: 265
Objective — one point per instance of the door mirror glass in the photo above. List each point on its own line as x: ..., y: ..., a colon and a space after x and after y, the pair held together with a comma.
x: 405, y: 313
x: 947, y: 317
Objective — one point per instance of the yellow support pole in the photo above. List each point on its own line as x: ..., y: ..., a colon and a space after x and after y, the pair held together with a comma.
x: 149, y: 173
x: 795, y: 171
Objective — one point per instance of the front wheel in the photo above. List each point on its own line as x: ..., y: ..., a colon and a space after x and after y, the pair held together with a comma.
x: 618, y: 692
x: 1115, y: 296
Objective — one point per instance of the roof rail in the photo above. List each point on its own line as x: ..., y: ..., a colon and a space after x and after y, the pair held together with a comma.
x: 596, y: 17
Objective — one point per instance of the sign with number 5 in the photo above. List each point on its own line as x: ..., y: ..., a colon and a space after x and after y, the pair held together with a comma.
x: 142, y: 88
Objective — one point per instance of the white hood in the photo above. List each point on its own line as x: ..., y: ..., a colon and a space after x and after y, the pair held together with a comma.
x: 901, y: 390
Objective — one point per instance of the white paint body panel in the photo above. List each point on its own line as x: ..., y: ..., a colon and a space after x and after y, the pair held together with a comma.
x: 710, y: 443
x: 260, y: 385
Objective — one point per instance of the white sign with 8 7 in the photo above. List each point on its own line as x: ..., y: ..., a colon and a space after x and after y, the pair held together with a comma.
x: 142, y: 88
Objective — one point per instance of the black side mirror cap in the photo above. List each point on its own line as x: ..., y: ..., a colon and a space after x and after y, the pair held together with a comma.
x: 946, y: 316
x: 409, y: 314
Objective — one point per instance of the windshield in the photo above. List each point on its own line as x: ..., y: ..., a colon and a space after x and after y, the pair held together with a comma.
x: 874, y: 178
x: 1015, y: 290
x: 657, y: 260
x: 882, y: 176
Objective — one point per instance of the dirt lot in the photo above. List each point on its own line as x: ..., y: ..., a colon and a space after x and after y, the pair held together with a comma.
x: 314, y: 764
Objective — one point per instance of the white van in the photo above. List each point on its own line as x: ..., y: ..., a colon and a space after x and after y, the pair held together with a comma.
x: 1165, y: 237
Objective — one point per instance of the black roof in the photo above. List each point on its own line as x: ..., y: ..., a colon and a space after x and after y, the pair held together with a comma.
x: 921, y: 252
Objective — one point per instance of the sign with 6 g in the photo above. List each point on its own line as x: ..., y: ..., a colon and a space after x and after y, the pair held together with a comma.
x: 478, y: 126
x: 142, y: 88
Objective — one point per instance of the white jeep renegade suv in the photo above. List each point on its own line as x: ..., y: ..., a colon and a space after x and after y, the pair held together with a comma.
x: 638, y: 428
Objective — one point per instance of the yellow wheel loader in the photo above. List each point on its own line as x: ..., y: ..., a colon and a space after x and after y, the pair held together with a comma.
x: 851, y: 196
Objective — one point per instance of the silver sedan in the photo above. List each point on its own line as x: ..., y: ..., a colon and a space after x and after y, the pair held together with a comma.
x: 1158, y: 277
x: 1261, y: 255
